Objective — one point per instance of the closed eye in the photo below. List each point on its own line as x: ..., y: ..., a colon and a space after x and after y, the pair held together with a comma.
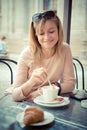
x: 41, y: 33
x: 51, y: 31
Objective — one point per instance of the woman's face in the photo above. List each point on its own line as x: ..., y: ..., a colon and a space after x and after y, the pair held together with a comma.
x: 48, y: 35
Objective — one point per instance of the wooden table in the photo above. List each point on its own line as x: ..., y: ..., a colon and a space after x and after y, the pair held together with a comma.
x: 70, y: 117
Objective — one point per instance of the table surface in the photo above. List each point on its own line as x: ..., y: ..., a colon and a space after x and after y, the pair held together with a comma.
x: 70, y: 117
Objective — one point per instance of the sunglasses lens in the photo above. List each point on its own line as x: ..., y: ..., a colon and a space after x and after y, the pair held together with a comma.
x: 47, y: 15
x: 36, y: 17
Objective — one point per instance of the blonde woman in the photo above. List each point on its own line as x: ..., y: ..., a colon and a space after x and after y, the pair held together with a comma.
x: 46, y: 57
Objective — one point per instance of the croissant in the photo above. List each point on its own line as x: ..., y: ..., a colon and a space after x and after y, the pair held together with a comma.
x: 33, y: 114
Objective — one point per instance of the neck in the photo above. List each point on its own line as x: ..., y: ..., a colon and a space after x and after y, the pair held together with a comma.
x: 47, y: 53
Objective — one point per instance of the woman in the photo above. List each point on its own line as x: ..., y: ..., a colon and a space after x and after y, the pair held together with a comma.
x: 47, y: 57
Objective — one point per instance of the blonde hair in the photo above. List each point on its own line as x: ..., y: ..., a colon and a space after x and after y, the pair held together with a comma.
x: 33, y: 41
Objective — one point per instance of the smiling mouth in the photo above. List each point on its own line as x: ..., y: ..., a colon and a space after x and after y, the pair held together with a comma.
x: 49, y: 41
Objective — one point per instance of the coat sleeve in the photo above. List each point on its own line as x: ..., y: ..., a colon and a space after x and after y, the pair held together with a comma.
x: 68, y: 79
x: 21, y: 75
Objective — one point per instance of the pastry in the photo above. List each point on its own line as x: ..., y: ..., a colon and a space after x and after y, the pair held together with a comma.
x: 33, y: 114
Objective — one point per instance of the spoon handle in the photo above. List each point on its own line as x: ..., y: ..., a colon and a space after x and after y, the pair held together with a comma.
x: 49, y: 82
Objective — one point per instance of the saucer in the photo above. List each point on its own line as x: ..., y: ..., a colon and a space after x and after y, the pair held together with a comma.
x: 59, y: 99
x: 38, y: 100
x: 84, y: 103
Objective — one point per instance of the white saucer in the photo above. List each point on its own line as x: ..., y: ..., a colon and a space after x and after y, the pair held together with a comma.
x: 59, y: 99
x: 84, y: 103
x: 48, y: 118
x: 38, y: 100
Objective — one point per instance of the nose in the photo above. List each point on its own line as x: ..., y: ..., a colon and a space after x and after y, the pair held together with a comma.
x: 46, y: 36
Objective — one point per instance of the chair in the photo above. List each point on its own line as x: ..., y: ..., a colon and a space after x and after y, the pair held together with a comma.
x: 79, y: 74
x: 80, y: 92
x: 7, y: 68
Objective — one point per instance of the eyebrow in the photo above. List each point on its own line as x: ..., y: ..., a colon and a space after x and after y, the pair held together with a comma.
x: 48, y: 29
x: 52, y: 27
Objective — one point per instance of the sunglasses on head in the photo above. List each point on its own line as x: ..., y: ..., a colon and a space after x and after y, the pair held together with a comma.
x: 47, y: 15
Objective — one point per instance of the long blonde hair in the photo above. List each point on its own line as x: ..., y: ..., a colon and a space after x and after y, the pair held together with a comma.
x: 33, y: 41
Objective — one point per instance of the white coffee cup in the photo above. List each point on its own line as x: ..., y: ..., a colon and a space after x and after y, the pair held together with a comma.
x: 49, y: 92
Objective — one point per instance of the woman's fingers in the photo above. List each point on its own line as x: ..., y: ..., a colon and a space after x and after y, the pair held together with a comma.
x: 40, y: 74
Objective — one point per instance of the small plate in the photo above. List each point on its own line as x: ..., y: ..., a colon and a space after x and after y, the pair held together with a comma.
x: 59, y: 99
x: 64, y: 103
x: 48, y: 118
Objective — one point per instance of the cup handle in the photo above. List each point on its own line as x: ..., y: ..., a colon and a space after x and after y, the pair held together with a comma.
x: 39, y: 91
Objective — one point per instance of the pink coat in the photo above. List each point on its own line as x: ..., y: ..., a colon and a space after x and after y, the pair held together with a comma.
x: 58, y: 70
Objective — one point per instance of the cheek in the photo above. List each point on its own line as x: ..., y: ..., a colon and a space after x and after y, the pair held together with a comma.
x: 56, y: 36
x: 40, y: 38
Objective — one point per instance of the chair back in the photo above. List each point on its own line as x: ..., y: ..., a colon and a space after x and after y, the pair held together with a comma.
x: 7, y: 70
x: 79, y: 74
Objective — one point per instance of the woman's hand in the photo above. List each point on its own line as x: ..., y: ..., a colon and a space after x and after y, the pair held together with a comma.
x: 39, y: 75
x: 32, y: 96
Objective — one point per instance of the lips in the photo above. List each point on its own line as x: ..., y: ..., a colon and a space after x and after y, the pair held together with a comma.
x: 49, y: 41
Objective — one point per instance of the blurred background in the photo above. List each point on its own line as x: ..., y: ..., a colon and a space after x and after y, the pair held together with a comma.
x: 15, y: 17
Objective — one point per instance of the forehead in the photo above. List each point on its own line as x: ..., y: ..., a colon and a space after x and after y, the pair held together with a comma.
x: 48, y: 24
